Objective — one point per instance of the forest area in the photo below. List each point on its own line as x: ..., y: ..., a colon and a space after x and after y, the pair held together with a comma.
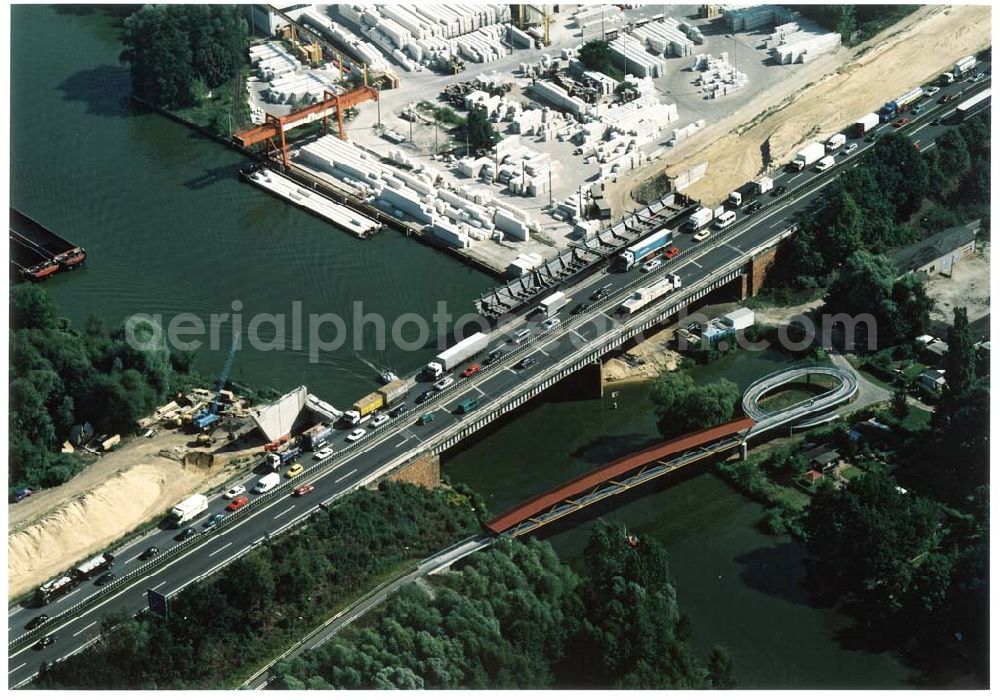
x: 61, y: 377
x: 515, y: 616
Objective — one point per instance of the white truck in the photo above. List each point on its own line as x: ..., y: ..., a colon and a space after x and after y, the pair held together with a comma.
x: 824, y: 163
x: 835, y: 142
x: 963, y: 66
x: 189, y: 509
x: 267, y: 482
x: 552, y: 303
x: 644, y: 296
x: 865, y: 124
x: 764, y: 184
x: 700, y: 219
x: 456, y: 354
x: 808, y: 155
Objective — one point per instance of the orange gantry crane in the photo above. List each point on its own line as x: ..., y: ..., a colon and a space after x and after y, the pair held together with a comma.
x: 273, y: 129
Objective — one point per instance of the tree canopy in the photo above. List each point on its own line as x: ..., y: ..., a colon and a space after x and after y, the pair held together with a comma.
x: 176, y: 51
x: 683, y: 406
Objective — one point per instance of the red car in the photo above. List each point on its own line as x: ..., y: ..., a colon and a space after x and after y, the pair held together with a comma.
x: 470, y: 370
x: 303, y: 490
x: 671, y: 253
x: 238, y: 503
x: 901, y: 122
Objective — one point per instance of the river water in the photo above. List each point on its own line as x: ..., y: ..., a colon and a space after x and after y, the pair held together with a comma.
x: 170, y: 229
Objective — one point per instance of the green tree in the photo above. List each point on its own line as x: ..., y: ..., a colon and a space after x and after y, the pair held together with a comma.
x: 900, y: 402
x: 595, y: 55
x: 682, y: 406
x: 481, y: 132
x: 721, y: 670
x: 959, y: 362
x: 847, y: 23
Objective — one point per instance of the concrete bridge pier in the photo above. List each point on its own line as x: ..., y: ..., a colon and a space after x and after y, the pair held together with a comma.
x: 586, y: 383
x: 744, y: 450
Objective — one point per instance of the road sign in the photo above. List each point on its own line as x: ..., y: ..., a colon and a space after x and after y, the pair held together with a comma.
x: 157, y: 602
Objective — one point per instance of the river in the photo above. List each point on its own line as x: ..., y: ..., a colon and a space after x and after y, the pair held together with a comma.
x: 169, y: 229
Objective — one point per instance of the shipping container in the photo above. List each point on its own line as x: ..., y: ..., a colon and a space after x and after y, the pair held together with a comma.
x: 739, y: 319
x: 646, y: 247
x: 553, y: 303
x: 969, y: 106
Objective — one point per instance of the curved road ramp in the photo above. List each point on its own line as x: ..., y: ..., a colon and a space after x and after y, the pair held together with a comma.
x: 805, y: 413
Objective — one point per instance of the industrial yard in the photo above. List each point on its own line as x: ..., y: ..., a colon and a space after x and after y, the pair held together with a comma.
x: 566, y: 133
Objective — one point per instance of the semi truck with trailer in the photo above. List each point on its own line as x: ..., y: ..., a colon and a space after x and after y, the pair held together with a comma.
x: 808, y: 155
x: 701, y: 218
x: 963, y: 111
x: 963, y: 66
x: 551, y: 304
x: 647, y: 247
x: 385, y: 397
x: 276, y: 460
x: 57, y: 587
x: 317, y: 436
x: 900, y: 104
x: 94, y: 566
x: 456, y: 354
x: 644, y: 296
x: 865, y: 124
x: 188, y: 509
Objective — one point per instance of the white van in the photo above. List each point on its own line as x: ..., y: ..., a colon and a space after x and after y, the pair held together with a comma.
x: 521, y: 336
x: 267, y: 482
x: 824, y: 164
x: 725, y: 220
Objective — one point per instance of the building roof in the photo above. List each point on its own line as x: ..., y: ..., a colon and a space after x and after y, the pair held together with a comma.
x: 276, y: 420
x: 813, y: 475
x: 826, y: 457
x: 935, y: 246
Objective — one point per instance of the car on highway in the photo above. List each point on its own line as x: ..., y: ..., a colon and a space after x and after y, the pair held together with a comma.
x: 294, y: 470
x: 579, y: 308
x: 651, y: 265
x: 671, y: 252
x: 932, y: 90
x: 237, y: 503
x: 752, y: 208
x: 702, y: 235
x: 977, y: 77
x: 184, y: 534
x: 105, y: 578
x: 379, y: 420
x: 355, y: 434
x: 443, y: 383
x: 323, y: 453
x: 550, y: 324
x: 149, y: 553
x: 425, y: 395
x: 917, y: 110
x: 526, y: 363
x: 303, y: 490
x: 398, y: 411
x: 471, y: 369
x: 851, y: 148
x: 601, y: 293
x: 778, y: 191
x: 945, y: 99
x: 234, y: 492
x: 36, y: 621
x: 935, y: 121
x: 46, y: 641
x: 214, y: 521
x: 901, y: 122
x: 425, y: 419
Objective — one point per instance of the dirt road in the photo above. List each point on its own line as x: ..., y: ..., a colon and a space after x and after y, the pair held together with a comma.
x: 819, y: 101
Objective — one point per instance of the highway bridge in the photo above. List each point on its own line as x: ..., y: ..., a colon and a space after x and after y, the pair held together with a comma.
x: 733, y: 256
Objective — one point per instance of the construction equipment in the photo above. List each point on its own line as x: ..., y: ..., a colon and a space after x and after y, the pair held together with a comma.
x: 275, y: 127
x: 209, y: 417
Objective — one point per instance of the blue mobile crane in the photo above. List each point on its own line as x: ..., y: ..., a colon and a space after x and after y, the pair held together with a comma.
x: 209, y: 417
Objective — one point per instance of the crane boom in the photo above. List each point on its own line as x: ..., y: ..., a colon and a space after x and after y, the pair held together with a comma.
x: 210, y: 415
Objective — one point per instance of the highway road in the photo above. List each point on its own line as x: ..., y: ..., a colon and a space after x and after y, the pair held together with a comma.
x: 364, y: 461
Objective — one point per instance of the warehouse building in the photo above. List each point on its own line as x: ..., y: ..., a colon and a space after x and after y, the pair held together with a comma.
x: 938, y: 254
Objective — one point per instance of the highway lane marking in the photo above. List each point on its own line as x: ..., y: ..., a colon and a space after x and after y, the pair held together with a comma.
x: 577, y: 334
x: 18, y: 668
x: 795, y: 176
x: 730, y: 245
x: 227, y: 544
x: 275, y: 517
x: 337, y: 481
x: 398, y: 444
x: 779, y: 222
x: 84, y: 629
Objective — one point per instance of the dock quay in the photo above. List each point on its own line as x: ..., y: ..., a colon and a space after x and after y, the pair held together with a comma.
x: 36, y: 253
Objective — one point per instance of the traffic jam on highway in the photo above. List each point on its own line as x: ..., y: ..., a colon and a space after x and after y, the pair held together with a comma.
x: 407, y: 415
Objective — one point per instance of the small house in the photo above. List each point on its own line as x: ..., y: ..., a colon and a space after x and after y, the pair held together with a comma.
x: 933, y: 380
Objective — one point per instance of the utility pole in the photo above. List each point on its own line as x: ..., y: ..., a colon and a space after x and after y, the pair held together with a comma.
x: 435, y: 136
x: 378, y: 104
x: 410, y: 120
x: 550, y: 184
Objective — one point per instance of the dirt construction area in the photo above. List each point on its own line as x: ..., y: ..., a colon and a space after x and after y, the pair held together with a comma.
x: 845, y: 85
x: 968, y: 286
x: 124, y: 489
